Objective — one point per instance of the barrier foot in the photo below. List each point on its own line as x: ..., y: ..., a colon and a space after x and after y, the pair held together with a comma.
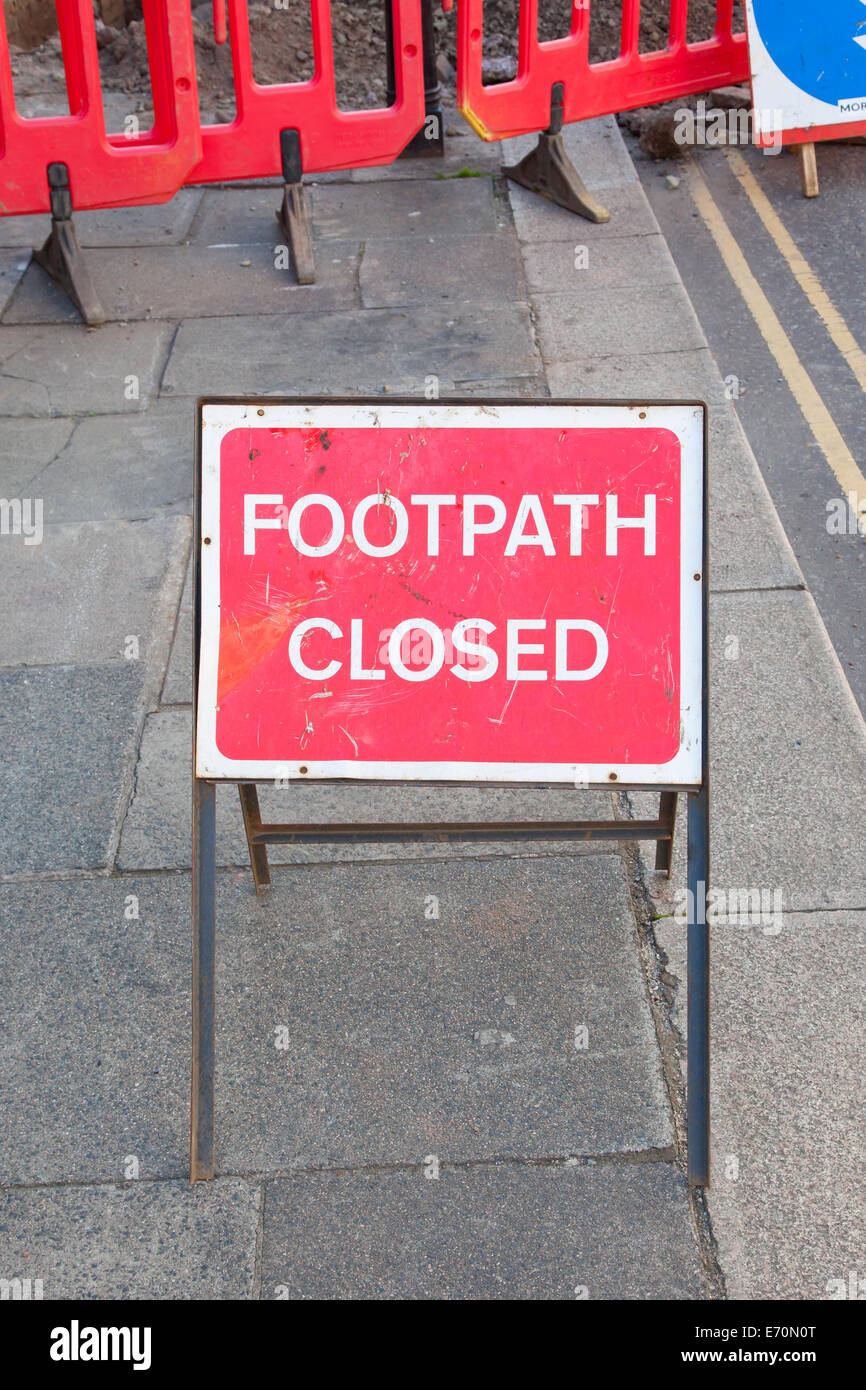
x: 293, y: 216
x: 62, y: 256
x: 548, y: 170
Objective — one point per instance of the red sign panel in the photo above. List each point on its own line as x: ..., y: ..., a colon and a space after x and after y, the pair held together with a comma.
x: 436, y: 591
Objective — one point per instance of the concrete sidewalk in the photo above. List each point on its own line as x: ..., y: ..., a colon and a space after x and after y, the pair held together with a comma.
x: 402, y: 1110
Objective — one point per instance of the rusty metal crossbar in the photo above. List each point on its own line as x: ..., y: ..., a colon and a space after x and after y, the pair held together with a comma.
x: 433, y: 831
x: 260, y: 834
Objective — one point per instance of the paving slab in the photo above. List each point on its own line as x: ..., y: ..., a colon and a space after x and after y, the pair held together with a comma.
x: 68, y: 370
x: 412, y: 271
x: 665, y: 375
x: 186, y: 595
x: 236, y: 216
x: 68, y: 738
x: 95, y: 1053
x: 561, y: 267
x: 594, y: 322
x: 536, y: 219
x: 26, y: 447
x: 346, y: 212
x: 147, y: 1240
x: 466, y: 157
x: 407, y: 1035
x: 519, y: 388
x: 503, y: 1232
x: 89, y: 587
x: 788, y: 1098
x: 177, y: 689
x: 748, y: 547
x: 466, y: 154
x: 174, y: 282
x: 117, y: 467
x: 443, y: 207
x: 156, y: 832
x: 355, y: 353
x: 164, y: 224
x: 229, y: 218
x: 785, y: 734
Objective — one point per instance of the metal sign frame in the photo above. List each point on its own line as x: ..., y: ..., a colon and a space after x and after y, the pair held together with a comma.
x: 259, y: 834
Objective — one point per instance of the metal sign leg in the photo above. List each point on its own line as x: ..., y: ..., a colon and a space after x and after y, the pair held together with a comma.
x: 698, y: 1095
x: 667, y: 817
x: 252, y: 824
x: 201, y: 1159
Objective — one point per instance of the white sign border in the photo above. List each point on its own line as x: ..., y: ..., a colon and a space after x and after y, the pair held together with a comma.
x: 218, y: 418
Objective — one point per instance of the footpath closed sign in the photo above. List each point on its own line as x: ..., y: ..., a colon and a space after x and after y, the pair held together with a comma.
x: 451, y: 591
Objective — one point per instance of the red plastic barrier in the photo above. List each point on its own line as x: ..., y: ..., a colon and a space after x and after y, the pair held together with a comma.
x: 104, y: 170
x: 591, y: 89
x: 117, y: 170
x: 249, y: 146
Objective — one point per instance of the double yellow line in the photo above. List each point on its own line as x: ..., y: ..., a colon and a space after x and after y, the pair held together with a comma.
x: 800, y: 384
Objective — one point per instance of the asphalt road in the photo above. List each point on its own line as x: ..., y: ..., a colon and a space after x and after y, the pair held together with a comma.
x: 777, y: 406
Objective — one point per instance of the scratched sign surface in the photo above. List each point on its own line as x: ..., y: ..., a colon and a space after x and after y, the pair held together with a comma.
x: 465, y: 592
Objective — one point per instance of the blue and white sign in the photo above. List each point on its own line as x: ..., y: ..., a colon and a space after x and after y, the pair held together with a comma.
x: 808, y: 61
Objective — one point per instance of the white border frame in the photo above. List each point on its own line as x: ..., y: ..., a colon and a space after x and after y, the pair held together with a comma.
x: 686, y: 421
